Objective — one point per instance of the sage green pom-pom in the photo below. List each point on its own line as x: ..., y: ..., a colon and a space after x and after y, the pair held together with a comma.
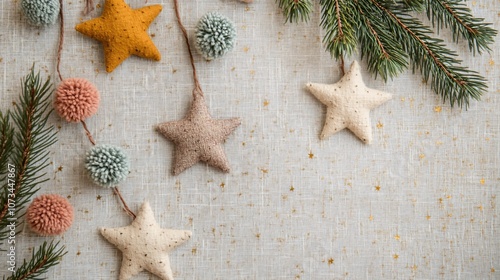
x: 107, y: 165
x: 215, y: 35
x: 41, y: 12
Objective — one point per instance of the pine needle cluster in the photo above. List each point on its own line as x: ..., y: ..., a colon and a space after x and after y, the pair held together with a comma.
x: 391, y: 39
x: 24, y: 142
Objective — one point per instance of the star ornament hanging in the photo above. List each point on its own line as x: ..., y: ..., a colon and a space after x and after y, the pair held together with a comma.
x: 348, y: 103
x: 123, y: 32
x: 145, y: 245
x: 198, y: 137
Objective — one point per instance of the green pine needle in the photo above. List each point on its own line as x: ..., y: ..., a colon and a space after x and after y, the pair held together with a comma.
x: 340, y: 22
x: 296, y: 10
x: 454, y: 15
x: 45, y: 257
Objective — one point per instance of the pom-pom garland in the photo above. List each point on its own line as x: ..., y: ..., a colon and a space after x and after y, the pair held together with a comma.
x: 107, y: 165
x: 215, y: 35
x: 49, y: 214
x: 76, y: 99
x: 41, y: 12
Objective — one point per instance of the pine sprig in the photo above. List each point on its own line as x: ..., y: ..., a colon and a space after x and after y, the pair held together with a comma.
x: 435, y: 62
x: 456, y: 16
x: 28, y: 152
x: 383, y: 51
x: 297, y: 10
x: 7, y: 134
x: 340, y: 23
x: 390, y: 39
x: 45, y: 257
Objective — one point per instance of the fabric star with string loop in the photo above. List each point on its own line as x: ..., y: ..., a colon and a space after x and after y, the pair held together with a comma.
x: 348, y: 103
x: 123, y: 32
x: 197, y: 137
x: 145, y: 245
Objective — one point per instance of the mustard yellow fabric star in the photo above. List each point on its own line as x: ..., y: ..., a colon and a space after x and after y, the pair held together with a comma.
x: 123, y: 32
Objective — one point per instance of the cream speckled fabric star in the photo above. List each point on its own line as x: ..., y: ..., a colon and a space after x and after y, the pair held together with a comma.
x: 348, y: 103
x: 198, y: 137
x: 145, y: 245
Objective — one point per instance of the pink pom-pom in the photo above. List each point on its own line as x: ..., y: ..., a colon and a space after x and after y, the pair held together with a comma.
x: 49, y: 214
x: 76, y: 99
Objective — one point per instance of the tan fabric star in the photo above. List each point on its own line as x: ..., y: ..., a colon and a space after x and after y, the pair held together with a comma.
x: 348, y: 103
x: 145, y: 245
x: 123, y: 32
x: 198, y: 137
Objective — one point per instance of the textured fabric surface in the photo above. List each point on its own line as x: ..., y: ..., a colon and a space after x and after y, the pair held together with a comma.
x: 420, y: 202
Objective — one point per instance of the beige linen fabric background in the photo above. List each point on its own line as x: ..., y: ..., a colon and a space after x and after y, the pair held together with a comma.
x: 419, y: 203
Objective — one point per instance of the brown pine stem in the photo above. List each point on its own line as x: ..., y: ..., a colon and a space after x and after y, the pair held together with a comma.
x: 342, y: 66
x: 375, y: 35
x: 337, y: 10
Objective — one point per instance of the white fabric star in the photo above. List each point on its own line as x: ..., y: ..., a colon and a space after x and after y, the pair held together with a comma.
x: 348, y: 103
x: 145, y: 245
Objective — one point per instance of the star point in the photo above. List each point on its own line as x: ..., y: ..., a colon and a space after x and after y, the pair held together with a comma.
x: 198, y: 137
x: 144, y: 245
x: 348, y: 103
x: 123, y: 32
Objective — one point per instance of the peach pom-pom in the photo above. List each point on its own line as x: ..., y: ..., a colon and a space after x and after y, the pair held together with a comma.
x: 76, y: 99
x: 49, y: 214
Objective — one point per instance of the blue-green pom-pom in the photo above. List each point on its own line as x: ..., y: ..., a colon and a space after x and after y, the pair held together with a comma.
x: 215, y: 35
x: 41, y: 12
x: 107, y: 165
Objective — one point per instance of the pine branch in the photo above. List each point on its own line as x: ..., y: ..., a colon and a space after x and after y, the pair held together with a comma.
x: 296, y: 10
x: 28, y: 153
x: 448, y: 79
x: 383, y: 52
x: 45, y: 257
x: 7, y: 134
x: 340, y: 22
x: 455, y: 15
x: 388, y: 36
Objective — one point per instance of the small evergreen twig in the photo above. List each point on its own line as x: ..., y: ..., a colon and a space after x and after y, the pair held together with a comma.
x: 28, y: 152
x: 435, y: 62
x: 340, y: 22
x: 45, y: 257
x: 296, y: 10
x: 458, y: 18
x: 23, y: 156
